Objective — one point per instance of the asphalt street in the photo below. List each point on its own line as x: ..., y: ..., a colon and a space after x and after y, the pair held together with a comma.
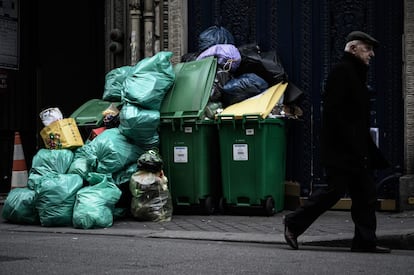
x: 334, y: 228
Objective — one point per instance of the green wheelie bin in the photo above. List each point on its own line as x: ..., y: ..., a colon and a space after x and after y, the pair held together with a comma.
x: 89, y: 115
x: 252, y: 153
x: 188, y: 141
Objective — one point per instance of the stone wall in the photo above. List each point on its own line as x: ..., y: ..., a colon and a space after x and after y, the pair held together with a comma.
x: 177, y: 34
x: 409, y: 84
x: 407, y: 181
x: 166, y: 18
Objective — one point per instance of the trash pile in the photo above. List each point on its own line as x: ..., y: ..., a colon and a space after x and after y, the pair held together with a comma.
x: 244, y: 72
x: 90, y: 174
x: 80, y: 183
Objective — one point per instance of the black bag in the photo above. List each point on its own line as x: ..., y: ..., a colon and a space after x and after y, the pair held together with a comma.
x: 222, y: 77
x: 292, y: 94
x: 189, y: 57
x: 214, y: 35
x: 243, y: 87
x: 267, y: 64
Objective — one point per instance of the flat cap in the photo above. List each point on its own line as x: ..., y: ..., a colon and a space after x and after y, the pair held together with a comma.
x: 362, y: 36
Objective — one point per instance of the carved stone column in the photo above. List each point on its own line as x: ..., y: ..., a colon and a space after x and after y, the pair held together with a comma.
x: 136, y: 19
x: 177, y: 29
x: 409, y: 84
x: 152, y: 26
x: 149, y: 18
x: 158, y: 24
x: 407, y: 181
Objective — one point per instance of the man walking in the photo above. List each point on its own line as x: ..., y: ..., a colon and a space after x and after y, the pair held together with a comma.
x: 348, y: 153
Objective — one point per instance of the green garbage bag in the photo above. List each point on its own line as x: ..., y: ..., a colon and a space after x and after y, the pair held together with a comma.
x: 49, y: 161
x: 124, y: 175
x: 83, y: 160
x: 108, y: 153
x: 113, y: 83
x: 113, y: 151
x: 151, y: 200
x: 140, y: 125
x: 149, y: 80
x: 20, y: 207
x: 56, y: 198
x: 95, y: 204
x: 80, y: 166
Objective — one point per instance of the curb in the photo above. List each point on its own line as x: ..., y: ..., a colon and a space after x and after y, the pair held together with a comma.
x: 402, y: 240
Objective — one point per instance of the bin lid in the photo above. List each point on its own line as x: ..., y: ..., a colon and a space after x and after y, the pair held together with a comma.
x: 90, y: 113
x: 260, y: 105
x: 191, y: 90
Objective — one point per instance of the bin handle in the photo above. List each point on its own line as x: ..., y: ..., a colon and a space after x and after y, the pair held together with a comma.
x: 246, y: 117
x: 183, y: 120
x: 181, y: 123
x: 226, y: 117
x: 172, y: 125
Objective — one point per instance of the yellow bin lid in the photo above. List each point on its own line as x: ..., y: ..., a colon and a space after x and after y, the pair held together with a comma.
x: 261, y: 105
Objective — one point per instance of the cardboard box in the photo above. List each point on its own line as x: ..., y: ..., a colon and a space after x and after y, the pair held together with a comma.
x: 62, y: 134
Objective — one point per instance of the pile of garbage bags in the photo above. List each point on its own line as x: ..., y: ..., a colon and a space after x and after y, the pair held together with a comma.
x: 243, y: 72
x: 82, y: 186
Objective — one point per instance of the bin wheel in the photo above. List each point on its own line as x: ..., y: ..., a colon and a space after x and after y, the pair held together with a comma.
x: 209, y: 205
x: 222, y: 205
x: 269, y: 206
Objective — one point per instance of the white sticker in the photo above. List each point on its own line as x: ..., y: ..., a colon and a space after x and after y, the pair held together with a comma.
x: 249, y: 132
x: 188, y: 130
x: 240, y: 152
x: 181, y: 154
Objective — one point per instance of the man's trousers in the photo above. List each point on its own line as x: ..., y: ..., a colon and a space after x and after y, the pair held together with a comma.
x: 361, y: 188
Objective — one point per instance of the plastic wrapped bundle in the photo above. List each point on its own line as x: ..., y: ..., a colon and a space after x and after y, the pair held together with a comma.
x: 151, y: 200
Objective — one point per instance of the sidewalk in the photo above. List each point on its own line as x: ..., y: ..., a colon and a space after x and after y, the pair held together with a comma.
x: 334, y: 228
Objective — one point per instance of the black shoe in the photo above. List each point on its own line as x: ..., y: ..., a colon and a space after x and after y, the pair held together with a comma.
x: 375, y: 249
x: 291, y: 238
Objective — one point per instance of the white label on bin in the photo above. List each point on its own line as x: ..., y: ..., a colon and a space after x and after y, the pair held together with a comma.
x: 240, y: 152
x: 188, y: 130
x: 181, y: 154
x: 249, y: 132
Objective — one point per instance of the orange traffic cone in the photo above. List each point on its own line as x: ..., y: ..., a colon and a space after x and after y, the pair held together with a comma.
x: 19, y: 174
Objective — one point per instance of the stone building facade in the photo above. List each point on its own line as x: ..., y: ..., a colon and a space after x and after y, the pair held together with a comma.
x: 151, y: 26
x: 407, y: 180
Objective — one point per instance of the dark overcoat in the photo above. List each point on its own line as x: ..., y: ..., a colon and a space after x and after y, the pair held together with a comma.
x: 346, y: 142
